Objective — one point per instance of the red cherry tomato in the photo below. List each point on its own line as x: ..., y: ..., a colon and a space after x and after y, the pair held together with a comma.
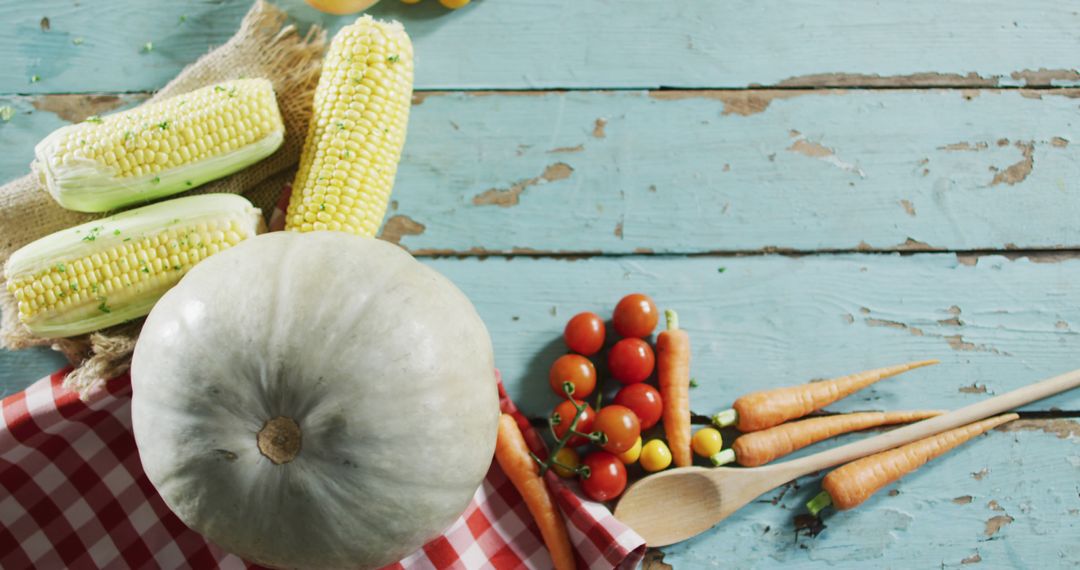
x: 635, y: 316
x: 607, y: 476
x: 644, y: 401
x: 566, y: 413
x: 575, y: 369
x: 631, y: 360
x: 620, y: 425
x: 584, y: 333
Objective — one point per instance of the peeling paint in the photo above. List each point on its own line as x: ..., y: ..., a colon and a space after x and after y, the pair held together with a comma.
x: 740, y: 102
x: 400, y: 226
x: 418, y: 97
x: 1017, y: 172
x: 994, y: 524
x: 1063, y: 428
x: 909, y: 208
x: 923, y: 79
x: 1061, y: 325
x: 505, y: 198
x: 75, y: 108
x: 978, y: 475
x: 619, y: 230
x: 823, y: 153
x: 962, y: 500
x: 973, y: 559
x: 1059, y: 142
x: 915, y: 331
x: 973, y: 389
x: 914, y: 245
x: 564, y: 149
x: 957, y: 342
x: 598, y: 128
x: 965, y: 146
x: 994, y: 506
x: 1043, y: 76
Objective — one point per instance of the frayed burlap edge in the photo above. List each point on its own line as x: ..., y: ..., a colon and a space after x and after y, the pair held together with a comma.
x: 263, y: 47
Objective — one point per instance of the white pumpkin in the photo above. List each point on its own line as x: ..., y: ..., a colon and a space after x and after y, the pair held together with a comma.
x: 315, y: 400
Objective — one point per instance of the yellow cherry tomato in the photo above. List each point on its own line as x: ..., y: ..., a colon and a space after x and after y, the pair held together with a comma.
x: 631, y: 455
x: 341, y: 7
x: 568, y: 457
x: 655, y: 456
x: 454, y: 4
x: 707, y: 442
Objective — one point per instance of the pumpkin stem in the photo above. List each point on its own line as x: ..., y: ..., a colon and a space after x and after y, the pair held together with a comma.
x: 279, y: 439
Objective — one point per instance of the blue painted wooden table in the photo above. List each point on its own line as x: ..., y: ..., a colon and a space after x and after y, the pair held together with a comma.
x: 818, y: 187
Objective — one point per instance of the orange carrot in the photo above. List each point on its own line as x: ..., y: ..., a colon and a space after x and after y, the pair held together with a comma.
x: 850, y: 485
x: 513, y: 456
x: 673, y: 368
x: 761, y: 447
x: 768, y: 408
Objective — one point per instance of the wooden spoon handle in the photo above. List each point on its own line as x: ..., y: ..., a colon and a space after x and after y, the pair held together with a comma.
x: 926, y: 428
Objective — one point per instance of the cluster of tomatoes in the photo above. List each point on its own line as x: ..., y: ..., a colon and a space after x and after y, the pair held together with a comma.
x: 614, y: 429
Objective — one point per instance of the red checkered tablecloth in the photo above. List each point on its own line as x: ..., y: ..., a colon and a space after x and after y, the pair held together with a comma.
x: 74, y: 495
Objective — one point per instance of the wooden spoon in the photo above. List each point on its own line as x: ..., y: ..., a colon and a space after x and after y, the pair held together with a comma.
x: 675, y: 505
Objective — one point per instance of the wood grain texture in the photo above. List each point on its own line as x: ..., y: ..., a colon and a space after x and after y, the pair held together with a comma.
x: 769, y: 321
x: 100, y: 46
x: 691, y: 172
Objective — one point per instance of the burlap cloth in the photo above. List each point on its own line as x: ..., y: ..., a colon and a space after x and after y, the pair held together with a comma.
x: 263, y: 47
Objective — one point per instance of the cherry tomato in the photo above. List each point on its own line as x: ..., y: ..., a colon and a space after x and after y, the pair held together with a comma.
x: 568, y: 457
x: 707, y: 442
x: 631, y: 360
x: 635, y: 316
x: 575, y: 369
x: 584, y: 333
x: 631, y: 455
x: 566, y: 412
x: 607, y: 476
x: 655, y: 456
x: 620, y: 425
x: 644, y: 401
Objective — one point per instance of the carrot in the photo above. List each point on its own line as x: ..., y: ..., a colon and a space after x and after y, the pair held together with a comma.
x: 673, y: 368
x: 761, y: 447
x: 768, y: 408
x: 513, y: 456
x: 850, y: 485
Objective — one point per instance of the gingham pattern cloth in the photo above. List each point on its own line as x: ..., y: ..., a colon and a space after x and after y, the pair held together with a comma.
x: 73, y: 495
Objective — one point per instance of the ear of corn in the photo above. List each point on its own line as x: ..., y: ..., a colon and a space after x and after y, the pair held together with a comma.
x: 354, y: 143
x: 162, y: 148
x: 114, y: 269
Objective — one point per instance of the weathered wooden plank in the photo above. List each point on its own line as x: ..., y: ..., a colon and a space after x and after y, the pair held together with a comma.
x: 766, y: 321
x: 769, y: 321
x: 679, y: 172
x: 689, y: 172
x: 100, y: 46
x: 1005, y: 500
